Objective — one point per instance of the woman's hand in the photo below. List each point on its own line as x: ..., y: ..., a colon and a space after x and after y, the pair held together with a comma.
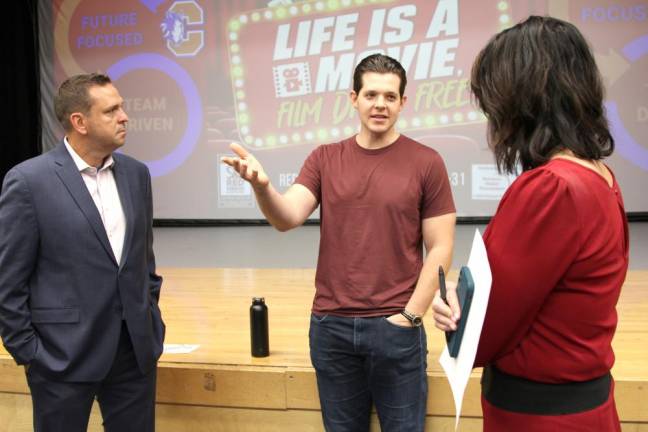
x: 447, y: 314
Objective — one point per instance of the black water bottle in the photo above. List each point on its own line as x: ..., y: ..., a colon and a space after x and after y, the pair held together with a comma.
x: 259, y: 328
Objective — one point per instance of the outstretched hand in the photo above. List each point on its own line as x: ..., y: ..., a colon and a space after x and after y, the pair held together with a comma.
x: 247, y: 167
x: 447, y: 314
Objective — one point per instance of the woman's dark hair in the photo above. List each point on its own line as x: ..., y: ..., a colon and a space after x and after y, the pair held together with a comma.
x: 538, y: 84
x: 382, y: 64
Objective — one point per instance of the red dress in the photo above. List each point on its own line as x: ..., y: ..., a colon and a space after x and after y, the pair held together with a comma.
x: 558, y: 250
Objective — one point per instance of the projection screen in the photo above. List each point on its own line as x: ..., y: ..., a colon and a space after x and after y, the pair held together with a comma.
x: 275, y: 76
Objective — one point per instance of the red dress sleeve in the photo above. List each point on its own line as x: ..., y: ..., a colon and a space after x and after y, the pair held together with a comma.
x: 531, y: 242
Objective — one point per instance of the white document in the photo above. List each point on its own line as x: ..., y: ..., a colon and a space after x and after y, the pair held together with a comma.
x: 458, y: 369
x: 179, y: 348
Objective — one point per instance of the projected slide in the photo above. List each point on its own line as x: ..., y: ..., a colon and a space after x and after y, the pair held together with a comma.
x: 275, y: 77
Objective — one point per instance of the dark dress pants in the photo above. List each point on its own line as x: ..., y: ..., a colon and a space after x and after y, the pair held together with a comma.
x: 126, y: 397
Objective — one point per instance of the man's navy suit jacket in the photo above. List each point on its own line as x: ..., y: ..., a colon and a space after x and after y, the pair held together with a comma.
x: 62, y: 294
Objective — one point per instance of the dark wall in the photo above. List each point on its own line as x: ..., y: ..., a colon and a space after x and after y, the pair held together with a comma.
x: 21, y: 124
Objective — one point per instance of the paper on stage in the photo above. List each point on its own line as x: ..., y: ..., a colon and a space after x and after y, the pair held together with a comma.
x: 179, y: 348
x: 458, y: 369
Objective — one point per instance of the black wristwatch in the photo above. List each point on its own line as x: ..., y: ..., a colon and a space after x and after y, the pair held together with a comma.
x: 416, y: 320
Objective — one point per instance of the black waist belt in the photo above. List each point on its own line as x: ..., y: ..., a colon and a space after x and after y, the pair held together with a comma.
x: 521, y: 395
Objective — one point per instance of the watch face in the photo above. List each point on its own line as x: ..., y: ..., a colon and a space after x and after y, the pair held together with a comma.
x: 417, y: 321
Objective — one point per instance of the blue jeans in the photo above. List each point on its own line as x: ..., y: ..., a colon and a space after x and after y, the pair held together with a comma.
x: 363, y: 360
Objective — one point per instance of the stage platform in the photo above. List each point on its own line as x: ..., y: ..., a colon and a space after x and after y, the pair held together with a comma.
x: 220, y: 387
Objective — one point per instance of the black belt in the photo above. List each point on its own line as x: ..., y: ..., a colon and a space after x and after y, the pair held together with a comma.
x: 521, y: 395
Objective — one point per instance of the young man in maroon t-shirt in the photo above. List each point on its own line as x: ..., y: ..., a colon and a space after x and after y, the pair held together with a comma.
x: 382, y: 196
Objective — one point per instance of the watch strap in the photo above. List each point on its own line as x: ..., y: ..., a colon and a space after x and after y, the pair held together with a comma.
x: 416, y: 320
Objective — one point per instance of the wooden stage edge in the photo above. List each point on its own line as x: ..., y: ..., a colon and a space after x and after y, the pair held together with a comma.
x: 219, y: 387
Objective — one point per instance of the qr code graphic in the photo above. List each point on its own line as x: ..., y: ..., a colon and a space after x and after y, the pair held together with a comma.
x: 292, y: 80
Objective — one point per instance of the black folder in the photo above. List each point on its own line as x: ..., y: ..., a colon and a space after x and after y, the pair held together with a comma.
x: 465, y: 290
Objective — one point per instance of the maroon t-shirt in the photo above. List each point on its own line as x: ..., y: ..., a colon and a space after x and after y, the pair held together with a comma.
x: 372, y: 204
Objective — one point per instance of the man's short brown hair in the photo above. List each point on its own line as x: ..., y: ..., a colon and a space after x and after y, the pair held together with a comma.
x: 73, y: 96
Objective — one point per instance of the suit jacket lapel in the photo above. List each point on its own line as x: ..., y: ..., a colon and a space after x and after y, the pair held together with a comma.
x: 69, y: 174
x: 121, y: 178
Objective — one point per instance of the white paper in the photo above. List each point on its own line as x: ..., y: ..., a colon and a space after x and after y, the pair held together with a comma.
x: 179, y: 348
x: 458, y: 369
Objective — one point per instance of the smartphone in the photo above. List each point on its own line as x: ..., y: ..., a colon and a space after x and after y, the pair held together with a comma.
x: 465, y: 290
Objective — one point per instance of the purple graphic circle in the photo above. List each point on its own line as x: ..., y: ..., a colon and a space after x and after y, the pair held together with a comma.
x: 190, y: 137
x: 627, y: 146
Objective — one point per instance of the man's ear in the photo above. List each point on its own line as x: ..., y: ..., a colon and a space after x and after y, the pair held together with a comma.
x: 78, y: 122
x: 354, y: 98
x: 403, y: 100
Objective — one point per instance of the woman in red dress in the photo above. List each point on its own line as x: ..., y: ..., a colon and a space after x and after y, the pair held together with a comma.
x: 558, y: 243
